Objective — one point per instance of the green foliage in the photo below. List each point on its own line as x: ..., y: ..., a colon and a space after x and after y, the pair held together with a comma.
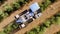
x: 2, y: 32
x: 1, y: 18
x: 8, y: 9
x: 16, y: 5
x: 37, y: 30
x: 41, y: 29
x: 45, y: 4
x: 32, y: 32
x: 5, y: 15
x: 2, y: 15
x: 58, y: 20
x: 10, y: 27
x: 14, y: 26
x: 47, y: 23
x: 1, y: 12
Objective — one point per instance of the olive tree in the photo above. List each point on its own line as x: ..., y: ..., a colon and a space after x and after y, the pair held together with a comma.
x: 58, y: 20
x: 21, y: 2
x: 1, y: 17
x: 2, y: 32
x: 8, y: 9
x: 1, y: 12
x: 31, y: 32
x: 47, y: 23
x: 45, y: 4
x: 16, y: 5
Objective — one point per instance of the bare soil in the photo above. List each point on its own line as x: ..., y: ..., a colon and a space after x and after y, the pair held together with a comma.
x: 52, y: 29
x: 50, y: 11
x: 7, y: 2
x: 9, y: 19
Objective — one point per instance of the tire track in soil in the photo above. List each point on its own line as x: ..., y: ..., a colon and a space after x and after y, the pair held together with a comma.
x: 50, y: 11
x: 52, y: 29
x: 9, y: 19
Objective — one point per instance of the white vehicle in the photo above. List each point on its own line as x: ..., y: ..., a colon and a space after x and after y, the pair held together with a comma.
x: 28, y: 16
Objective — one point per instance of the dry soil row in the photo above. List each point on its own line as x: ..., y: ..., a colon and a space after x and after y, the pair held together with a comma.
x: 50, y: 11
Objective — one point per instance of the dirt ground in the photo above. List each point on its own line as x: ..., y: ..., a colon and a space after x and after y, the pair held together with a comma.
x: 8, y: 2
x: 53, y: 29
x: 50, y: 11
x: 9, y: 19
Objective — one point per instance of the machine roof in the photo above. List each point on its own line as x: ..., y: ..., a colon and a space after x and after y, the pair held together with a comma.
x: 34, y: 7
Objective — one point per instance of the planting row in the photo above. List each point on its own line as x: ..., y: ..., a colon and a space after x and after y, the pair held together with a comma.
x: 12, y: 26
x: 16, y: 5
x: 37, y: 30
x: 46, y: 3
x: 41, y: 28
x: 9, y: 9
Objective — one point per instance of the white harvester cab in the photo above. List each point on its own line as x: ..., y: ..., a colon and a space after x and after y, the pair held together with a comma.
x: 34, y: 7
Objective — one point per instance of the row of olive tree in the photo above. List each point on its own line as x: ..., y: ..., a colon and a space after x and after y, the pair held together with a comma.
x: 37, y: 30
x: 41, y: 28
x: 9, y: 9
x: 2, y: 15
x: 8, y: 29
x: 15, y: 6
x: 46, y: 3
